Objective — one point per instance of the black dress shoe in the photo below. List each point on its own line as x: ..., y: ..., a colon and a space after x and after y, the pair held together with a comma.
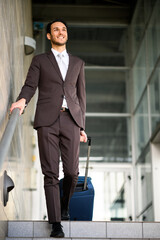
x: 57, y: 231
x: 65, y: 215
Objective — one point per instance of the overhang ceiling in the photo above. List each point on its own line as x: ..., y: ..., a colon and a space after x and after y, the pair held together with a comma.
x: 85, y: 11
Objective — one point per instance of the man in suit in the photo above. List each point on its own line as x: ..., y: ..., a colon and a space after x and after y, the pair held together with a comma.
x: 59, y: 118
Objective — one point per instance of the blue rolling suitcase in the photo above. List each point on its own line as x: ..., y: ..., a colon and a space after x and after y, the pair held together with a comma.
x: 81, y: 203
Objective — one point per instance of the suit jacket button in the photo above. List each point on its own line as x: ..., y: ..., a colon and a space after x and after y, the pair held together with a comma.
x: 62, y: 96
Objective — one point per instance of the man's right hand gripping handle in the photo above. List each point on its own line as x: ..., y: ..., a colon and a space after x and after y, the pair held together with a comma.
x: 21, y: 104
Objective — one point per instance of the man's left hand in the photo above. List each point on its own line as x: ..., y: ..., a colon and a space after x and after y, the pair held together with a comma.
x: 83, y: 136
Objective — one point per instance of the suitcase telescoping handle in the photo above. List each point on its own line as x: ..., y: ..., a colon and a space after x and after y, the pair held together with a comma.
x: 87, y: 163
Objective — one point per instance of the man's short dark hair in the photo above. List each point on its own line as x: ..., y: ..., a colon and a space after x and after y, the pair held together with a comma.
x: 48, y: 28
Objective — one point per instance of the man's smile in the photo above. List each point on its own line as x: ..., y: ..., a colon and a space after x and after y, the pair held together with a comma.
x: 60, y: 37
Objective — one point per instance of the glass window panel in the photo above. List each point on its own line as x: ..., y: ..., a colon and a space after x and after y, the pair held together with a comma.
x: 155, y: 99
x: 110, y: 139
x: 144, y: 187
x: 149, y: 4
x: 141, y: 126
x: 112, y: 191
x: 107, y: 90
x: 154, y: 37
x: 137, y: 27
x: 118, y: 206
x: 139, y: 74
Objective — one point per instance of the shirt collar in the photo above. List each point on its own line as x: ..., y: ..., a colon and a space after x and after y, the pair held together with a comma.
x: 64, y: 53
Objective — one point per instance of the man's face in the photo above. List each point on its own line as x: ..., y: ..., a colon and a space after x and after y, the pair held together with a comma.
x: 58, y: 34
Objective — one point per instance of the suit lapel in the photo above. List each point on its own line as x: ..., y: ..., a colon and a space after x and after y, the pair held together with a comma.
x: 55, y: 64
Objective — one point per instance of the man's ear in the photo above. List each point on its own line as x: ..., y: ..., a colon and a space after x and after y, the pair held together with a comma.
x: 49, y: 36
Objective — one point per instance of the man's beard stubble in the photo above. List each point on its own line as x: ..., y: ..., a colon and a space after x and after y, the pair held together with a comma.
x: 58, y: 43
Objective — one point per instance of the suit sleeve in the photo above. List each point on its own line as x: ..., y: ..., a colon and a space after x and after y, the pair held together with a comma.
x: 81, y: 92
x: 31, y: 82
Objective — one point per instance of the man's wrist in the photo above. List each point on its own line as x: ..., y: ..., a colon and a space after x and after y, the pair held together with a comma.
x: 24, y: 101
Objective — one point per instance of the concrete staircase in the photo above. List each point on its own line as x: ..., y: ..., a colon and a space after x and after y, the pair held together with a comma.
x: 30, y: 230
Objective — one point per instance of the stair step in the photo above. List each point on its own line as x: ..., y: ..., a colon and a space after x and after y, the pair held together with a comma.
x: 85, y: 230
x: 82, y: 238
x: 61, y: 239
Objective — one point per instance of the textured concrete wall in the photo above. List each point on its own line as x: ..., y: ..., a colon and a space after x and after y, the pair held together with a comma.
x: 15, y: 23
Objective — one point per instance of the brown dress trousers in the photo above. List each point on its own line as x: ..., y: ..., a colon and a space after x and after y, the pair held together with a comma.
x: 58, y: 132
x: 61, y: 137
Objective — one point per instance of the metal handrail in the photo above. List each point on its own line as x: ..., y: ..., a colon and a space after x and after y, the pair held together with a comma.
x: 8, y: 135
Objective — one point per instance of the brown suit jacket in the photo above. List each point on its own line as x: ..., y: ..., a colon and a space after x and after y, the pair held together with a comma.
x: 44, y: 73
